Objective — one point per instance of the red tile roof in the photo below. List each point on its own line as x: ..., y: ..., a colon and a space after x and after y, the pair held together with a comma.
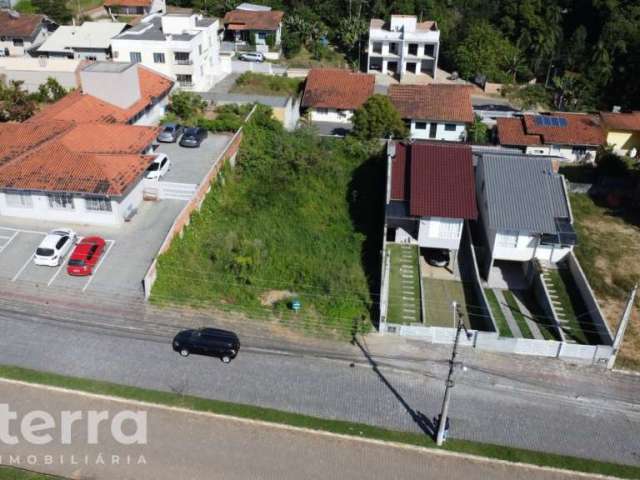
x: 511, y: 132
x: 336, y: 88
x: 23, y: 26
x: 74, y: 158
x: 436, y: 179
x: 447, y: 103
x: 580, y: 129
x: 629, y: 122
x: 87, y: 108
x: 250, y: 20
x: 128, y: 3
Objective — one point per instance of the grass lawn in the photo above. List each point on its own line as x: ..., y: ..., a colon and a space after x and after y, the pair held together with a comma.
x: 304, y: 59
x: 438, y: 296
x: 501, y: 321
x: 580, y: 327
x: 11, y: 473
x: 608, y: 250
x: 261, y: 84
x: 299, y: 217
x: 314, y: 423
x: 517, y: 314
x: 404, y: 284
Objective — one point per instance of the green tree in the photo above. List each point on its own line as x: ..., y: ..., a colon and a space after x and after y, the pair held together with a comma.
x: 485, y: 51
x: 187, y: 106
x: 16, y: 105
x: 378, y: 118
x: 57, y: 10
x: 51, y: 91
x: 478, y: 132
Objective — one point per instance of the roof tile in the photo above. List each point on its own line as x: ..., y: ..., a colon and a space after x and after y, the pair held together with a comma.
x: 447, y: 103
x: 337, y: 88
x: 253, y: 20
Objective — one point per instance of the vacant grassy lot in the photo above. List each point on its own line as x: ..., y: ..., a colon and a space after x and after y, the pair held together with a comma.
x: 260, y: 84
x: 609, y: 252
x: 304, y: 59
x: 10, y: 473
x: 299, y: 217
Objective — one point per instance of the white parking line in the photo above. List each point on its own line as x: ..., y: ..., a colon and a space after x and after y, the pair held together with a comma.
x: 113, y: 242
x: 35, y: 232
x: 62, y: 265
x: 26, y: 264
x: 10, y: 239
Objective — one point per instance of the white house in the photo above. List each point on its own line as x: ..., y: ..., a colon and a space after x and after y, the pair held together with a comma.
x: 89, y: 41
x: 524, y: 209
x: 434, y: 112
x: 430, y: 194
x: 116, y: 8
x: 256, y: 27
x: 185, y: 48
x: 403, y: 46
x: 84, y: 173
x: 21, y: 33
x: 332, y: 95
x: 575, y: 137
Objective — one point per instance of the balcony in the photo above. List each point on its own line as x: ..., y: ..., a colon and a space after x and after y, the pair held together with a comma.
x: 183, y: 61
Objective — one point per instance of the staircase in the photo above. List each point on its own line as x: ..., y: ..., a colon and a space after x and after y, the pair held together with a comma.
x: 561, y: 313
x: 170, y: 190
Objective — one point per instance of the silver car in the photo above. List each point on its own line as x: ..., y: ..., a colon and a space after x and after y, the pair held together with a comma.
x: 170, y: 133
x: 252, y: 57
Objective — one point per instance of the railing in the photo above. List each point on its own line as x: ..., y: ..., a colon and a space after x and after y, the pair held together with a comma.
x: 183, y: 62
x: 185, y: 84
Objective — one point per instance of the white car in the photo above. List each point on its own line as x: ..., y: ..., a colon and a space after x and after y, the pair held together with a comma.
x: 55, y: 246
x: 252, y: 57
x: 159, y: 168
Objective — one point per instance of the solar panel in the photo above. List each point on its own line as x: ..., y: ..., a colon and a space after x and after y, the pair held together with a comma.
x: 547, y: 121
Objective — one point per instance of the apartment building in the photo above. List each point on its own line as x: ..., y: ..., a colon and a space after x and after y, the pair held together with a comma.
x: 184, y: 47
x: 403, y: 46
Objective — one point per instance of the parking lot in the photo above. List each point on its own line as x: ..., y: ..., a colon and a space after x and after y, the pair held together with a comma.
x: 130, y: 248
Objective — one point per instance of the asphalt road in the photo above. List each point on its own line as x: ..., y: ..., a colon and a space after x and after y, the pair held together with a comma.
x: 184, y: 445
x: 485, y: 407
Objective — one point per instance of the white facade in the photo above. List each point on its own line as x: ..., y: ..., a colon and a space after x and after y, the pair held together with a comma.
x: 80, y: 210
x: 405, y: 47
x: 184, y: 48
x: 568, y: 152
x: 432, y: 130
x: 330, y: 115
x: 437, y: 232
x: 20, y: 46
x: 157, y: 6
x: 33, y: 72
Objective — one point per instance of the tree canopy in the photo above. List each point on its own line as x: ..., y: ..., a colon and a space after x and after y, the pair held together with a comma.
x: 378, y: 118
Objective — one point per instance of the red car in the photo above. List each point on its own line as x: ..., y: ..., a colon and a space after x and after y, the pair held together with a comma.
x: 86, y: 256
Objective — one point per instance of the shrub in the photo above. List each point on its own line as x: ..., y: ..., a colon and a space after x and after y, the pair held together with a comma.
x: 186, y: 105
x: 378, y: 118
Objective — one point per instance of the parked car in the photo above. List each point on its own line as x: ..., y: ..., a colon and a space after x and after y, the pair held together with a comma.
x: 207, y: 341
x: 252, y: 57
x: 86, y: 256
x: 437, y: 257
x: 170, y: 133
x: 54, y: 247
x: 193, y: 137
x: 160, y: 167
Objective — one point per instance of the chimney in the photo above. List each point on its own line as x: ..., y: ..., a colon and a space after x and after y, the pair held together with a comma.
x: 113, y: 82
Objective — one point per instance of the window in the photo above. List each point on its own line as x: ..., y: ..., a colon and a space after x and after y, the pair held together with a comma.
x: 18, y: 42
x: 429, y: 50
x: 92, y: 58
x: 135, y: 57
x: 322, y: 111
x: 421, y: 126
x: 343, y: 113
x: 61, y: 201
x: 182, y: 58
x: 433, y: 130
x: 393, y: 48
x: 22, y: 200
x: 449, y: 127
x: 413, y: 49
x: 99, y: 204
x: 579, y: 150
x: 184, y: 80
x: 158, y: 58
x: 377, y: 47
x: 61, y: 242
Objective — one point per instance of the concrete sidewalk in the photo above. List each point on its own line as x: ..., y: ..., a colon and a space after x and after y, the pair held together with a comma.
x: 188, y: 445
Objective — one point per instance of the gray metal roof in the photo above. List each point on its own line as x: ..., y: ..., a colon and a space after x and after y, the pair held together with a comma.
x: 523, y: 192
x: 149, y: 30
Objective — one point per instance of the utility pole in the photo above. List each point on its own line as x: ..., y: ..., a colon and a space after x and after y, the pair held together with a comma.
x: 624, y: 322
x: 457, y: 317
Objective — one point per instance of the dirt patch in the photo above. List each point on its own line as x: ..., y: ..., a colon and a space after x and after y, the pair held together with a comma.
x: 271, y: 297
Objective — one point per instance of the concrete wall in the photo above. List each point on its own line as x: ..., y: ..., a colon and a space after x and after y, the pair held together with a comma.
x: 331, y: 115
x: 34, y: 78
x: 120, y: 88
x: 459, y: 134
x: 589, y: 299
x: 562, y: 151
x: 623, y: 141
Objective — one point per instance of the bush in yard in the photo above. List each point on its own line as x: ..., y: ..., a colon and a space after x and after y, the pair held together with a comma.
x: 611, y: 165
x: 479, y: 133
x: 186, y: 106
x: 378, y: 118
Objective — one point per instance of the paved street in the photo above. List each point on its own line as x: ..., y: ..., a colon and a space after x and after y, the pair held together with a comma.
x: 506, y: 400
x: 185, y: 445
